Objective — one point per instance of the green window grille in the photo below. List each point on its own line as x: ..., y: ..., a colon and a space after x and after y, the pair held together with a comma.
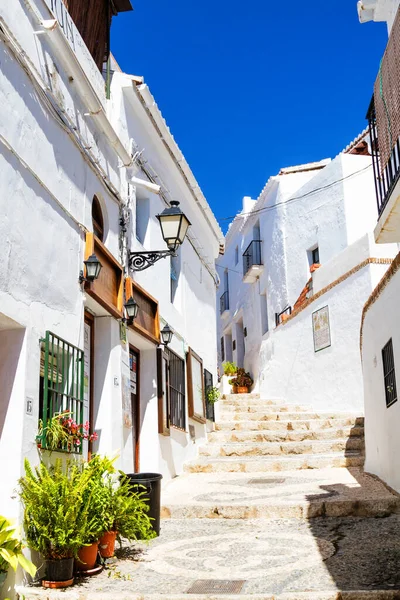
x: 62, y: 380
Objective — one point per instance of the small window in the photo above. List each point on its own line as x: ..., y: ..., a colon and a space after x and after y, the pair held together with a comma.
x: 234, y: 345
x: 142, y: 217
x: 175, y: 271
x: 264, y: 313
x: 97, y: 219
x: 222, y: 350
x: 389, y: 374
x: 236, y: 255
x: 315, y: 256
x: 61, y: 385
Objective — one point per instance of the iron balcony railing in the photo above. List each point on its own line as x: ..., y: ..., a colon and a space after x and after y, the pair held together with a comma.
x: 224, y: 302
x: 252, y: 256
x: 386, y: 178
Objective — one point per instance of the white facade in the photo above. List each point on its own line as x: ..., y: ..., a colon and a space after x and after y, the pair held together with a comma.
x: 323, y: 209
x: 378, y: 10
x: 58, y: 150
x: 380, y: 337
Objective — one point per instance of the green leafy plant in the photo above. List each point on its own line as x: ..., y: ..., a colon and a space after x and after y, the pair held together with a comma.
x: 57, y: 521
x: 11, y: 554
x: 63, y: 433
x: 229, y: 368
x: 242, y: 379
x: 126, y: 511
x: 212, y: 395
x: 96, y: 495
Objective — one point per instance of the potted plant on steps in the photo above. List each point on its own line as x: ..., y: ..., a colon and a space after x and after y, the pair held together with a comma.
x: 96, y: 495
x: 242, y: 382
x: 11, y: 554
x: 124, y: 514
x: 57, y: 523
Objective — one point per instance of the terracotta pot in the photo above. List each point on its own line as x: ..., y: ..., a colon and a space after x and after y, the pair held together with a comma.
x: 87, y: 557
x: 107, y: 544
x: 242, y: 390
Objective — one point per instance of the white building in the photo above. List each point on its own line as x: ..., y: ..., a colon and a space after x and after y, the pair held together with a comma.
x: 298, y: 267
x: 380, y: 332
x: 70, y: 188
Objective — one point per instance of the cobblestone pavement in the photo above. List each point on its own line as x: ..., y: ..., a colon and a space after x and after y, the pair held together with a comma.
x: 319, y: 534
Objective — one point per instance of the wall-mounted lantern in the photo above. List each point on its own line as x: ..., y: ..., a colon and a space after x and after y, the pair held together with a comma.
x: 131, y: 308
x: 174, y: 225
x: 166, y: 335
x: 93, y: 268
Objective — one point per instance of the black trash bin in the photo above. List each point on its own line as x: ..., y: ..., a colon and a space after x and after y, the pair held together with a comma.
x: 150, y: 485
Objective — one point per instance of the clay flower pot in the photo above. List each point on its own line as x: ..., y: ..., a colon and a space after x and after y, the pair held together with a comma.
x: 87, y: 557
x: 242, y: 390
x: 107, y: 544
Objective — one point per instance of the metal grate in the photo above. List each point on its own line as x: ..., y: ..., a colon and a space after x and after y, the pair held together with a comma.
x: 216, y: 586
x: 389, y: 374
x: 252, y: 255
x: 176, y: 384
x: 209, y: 384
x: 266, y: 481
x: 224, y: 302
x: 62, y: 383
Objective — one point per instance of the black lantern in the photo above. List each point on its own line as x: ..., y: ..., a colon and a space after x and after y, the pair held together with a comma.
x: 93, y: 268
x: 166, y: 335
x: 174, y: 226
x: 131, y: 308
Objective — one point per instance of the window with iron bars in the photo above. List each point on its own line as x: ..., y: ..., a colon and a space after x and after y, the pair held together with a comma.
x: 61, y: 384
x: 389, y: 374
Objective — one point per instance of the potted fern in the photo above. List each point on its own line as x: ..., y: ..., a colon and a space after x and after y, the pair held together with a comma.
x: 11, y: 554
x: 242, y: 382
x: 95, y: 499
x: 57, y: 522
x: 124, y: 514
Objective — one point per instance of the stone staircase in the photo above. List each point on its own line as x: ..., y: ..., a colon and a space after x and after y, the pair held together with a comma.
x: 276, y: 507
x: 257, y: 435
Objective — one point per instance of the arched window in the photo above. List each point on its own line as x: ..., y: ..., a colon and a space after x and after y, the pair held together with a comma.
x: 97, y: 219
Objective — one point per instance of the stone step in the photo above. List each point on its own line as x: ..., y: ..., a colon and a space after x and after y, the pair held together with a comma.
x: 258, y: 407
x: 31, y: 593
x: 240, y: 397
x: 276, y: 416
x: 290, y: 510
x: 288, y: 495
x: 285, y: 424
x: 281, y: 449
x: 264, y: 464
x: 331, y: 433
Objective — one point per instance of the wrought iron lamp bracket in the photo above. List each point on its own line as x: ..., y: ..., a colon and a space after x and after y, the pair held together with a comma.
x: 139, y: 261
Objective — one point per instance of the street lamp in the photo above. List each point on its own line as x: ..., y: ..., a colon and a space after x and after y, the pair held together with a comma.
x: 131, y: 308
x: 93, y: 268
x: 174, y: 225
x: 166, y: 335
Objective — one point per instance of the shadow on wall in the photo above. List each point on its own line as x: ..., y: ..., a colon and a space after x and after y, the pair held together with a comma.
x: 11, y: 342
x: 355, y: 519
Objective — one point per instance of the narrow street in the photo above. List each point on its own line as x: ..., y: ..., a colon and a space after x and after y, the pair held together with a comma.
x: 276, y: 506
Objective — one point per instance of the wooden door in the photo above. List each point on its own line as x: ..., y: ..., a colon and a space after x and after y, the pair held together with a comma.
x: 88, y: 397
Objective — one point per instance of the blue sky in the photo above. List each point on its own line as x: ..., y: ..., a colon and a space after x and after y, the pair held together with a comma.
x: 250, y: 87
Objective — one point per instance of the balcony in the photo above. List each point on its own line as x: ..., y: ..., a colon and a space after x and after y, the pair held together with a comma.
x: 252, y: 263
x: 224, y: 304
x: 384, y: 127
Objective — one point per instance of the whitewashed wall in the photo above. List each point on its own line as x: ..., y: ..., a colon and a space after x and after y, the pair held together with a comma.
x: 46, y: 191
x: 382, y: 323
x: 331, y: 208
x: 192, y: 314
